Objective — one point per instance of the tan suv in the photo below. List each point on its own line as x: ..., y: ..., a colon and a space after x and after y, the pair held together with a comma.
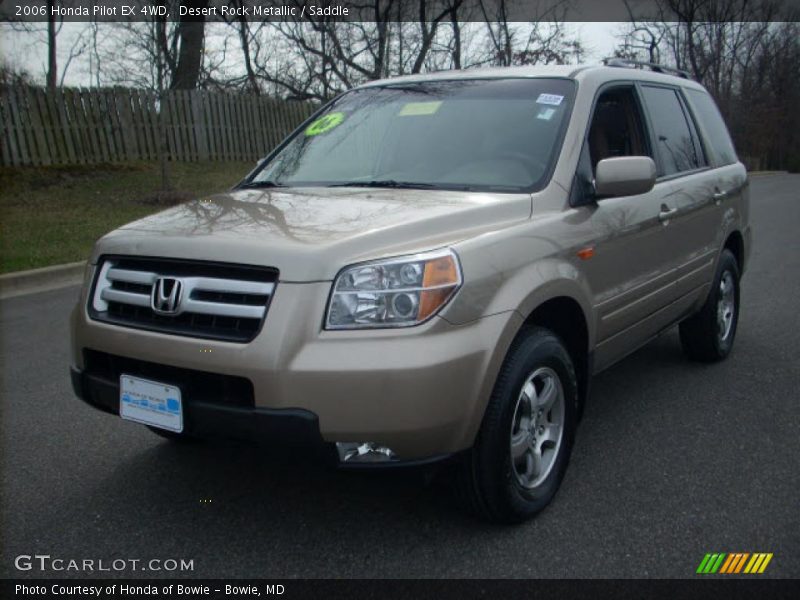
x: 430, y: 267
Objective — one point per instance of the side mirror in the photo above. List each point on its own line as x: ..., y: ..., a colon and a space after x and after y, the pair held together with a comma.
x: 624, y: 176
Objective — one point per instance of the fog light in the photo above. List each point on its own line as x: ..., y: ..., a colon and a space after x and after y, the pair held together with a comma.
x: 363, y: 452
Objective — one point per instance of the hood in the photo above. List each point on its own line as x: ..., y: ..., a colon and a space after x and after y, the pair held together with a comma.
x: 310, y: 234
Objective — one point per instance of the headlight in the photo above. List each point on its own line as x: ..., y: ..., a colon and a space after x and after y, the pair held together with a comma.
x: 397, y: 292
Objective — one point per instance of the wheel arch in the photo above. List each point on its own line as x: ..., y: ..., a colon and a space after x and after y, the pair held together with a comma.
x: 566, y: 317
x: 735, y: 243
x: 553, y: 295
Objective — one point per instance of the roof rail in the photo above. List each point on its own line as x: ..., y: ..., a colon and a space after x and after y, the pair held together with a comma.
x: 629, y: 63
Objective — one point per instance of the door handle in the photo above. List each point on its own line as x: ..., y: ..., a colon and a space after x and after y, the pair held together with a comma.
x: 666, y: 214
x: 719, y: 197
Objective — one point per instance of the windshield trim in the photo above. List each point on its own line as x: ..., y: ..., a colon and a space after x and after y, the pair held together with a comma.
x: 543, y: 182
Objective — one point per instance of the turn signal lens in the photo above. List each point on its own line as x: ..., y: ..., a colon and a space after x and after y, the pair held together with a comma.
x: 399, y: 292
x: 440, y: 271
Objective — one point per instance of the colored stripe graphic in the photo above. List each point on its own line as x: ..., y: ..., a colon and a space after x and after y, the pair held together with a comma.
x: 727, y: 564
x: 759, y: 563
x: 765, y: 563
x: 753, y: 564
x: 717, y: 563
x: 711, y: 563
x: 740, y: 564
x: 703, y: 563
x: 734, y: 562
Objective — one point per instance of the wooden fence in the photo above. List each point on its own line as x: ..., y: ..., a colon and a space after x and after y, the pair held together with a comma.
x: 107, y: 125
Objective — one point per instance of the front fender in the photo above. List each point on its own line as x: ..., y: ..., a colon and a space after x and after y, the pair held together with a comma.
x: 493, y: 285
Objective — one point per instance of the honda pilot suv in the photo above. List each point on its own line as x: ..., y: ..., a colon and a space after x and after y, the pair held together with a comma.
x: 430, y: 267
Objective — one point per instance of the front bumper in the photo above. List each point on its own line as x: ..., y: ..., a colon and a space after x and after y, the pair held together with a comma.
x: 205, y: 419
x: 420, y: 391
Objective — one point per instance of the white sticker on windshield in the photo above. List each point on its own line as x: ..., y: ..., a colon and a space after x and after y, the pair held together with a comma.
x: 553, y: 99
x: 416, y: 109
x: 546, y: 113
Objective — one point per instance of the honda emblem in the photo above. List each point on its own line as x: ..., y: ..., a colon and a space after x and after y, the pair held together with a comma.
x: 166, y: 296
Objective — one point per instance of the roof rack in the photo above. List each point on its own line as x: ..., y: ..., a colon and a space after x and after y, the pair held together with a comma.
x: 629, y: 63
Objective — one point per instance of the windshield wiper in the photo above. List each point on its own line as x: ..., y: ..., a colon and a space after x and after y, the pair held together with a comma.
x: 383, y: 183
x: 261, y: 184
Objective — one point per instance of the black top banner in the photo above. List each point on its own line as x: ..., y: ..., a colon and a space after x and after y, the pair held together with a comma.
x: 397, y: 10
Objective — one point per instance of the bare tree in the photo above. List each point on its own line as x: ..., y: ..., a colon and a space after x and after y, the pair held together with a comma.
x: 541, y: 41
x: 10, y: 76
x: 191, y: 35
x: 765, y: 119
x: 95, y: 60
x: 158, y: 53
x: 743, y: 57
x: 245, y: 41
x: 317, y: 58
x: 50, y: 31
x: 708, y: 38
x: 428, y: 29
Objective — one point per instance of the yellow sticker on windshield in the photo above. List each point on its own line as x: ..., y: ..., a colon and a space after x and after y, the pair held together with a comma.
x: 325, y: 123
x: 416, y: 109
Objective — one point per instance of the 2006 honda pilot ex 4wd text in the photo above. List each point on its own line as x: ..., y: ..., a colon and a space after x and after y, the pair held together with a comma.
x: 430, y: 267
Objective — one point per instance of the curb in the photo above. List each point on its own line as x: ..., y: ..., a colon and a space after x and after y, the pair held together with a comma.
x: 41, y: 280
x: 765, y: 173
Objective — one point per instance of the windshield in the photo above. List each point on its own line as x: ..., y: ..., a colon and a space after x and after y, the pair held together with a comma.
x: 482, y: 134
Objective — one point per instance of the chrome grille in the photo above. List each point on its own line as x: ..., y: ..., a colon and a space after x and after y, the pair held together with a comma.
x: 216, y: 301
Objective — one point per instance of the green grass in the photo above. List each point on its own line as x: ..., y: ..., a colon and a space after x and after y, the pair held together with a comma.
x: 53, y: 215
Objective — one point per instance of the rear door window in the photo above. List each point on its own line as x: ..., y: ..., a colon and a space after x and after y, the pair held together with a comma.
x: 716, y: 133
x: 676, y: 143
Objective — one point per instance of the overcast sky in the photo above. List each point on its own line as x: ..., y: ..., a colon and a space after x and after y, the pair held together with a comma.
x: 29, y: 51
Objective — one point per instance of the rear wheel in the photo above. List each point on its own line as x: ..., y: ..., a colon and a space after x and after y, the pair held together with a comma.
x: 525, y: 440
x: 708, y: 335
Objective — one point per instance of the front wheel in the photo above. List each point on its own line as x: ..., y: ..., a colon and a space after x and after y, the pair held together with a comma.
x: 708, y: 335
x: 523, y: 447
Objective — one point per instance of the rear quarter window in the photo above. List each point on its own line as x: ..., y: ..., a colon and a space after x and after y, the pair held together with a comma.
x: 713, y: 125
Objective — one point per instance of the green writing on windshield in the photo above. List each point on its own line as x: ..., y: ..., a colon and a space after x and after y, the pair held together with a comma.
x: 325, y: 123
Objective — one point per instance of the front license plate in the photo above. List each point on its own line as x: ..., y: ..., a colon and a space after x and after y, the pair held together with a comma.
x: 150, y: 403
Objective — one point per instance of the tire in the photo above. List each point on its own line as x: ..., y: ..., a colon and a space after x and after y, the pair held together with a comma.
x: 494, y: 484
x: 175, y: 438
x: 708, y: 335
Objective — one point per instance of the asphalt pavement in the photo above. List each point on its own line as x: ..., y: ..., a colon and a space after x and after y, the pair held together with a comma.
x: 673, y: 460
